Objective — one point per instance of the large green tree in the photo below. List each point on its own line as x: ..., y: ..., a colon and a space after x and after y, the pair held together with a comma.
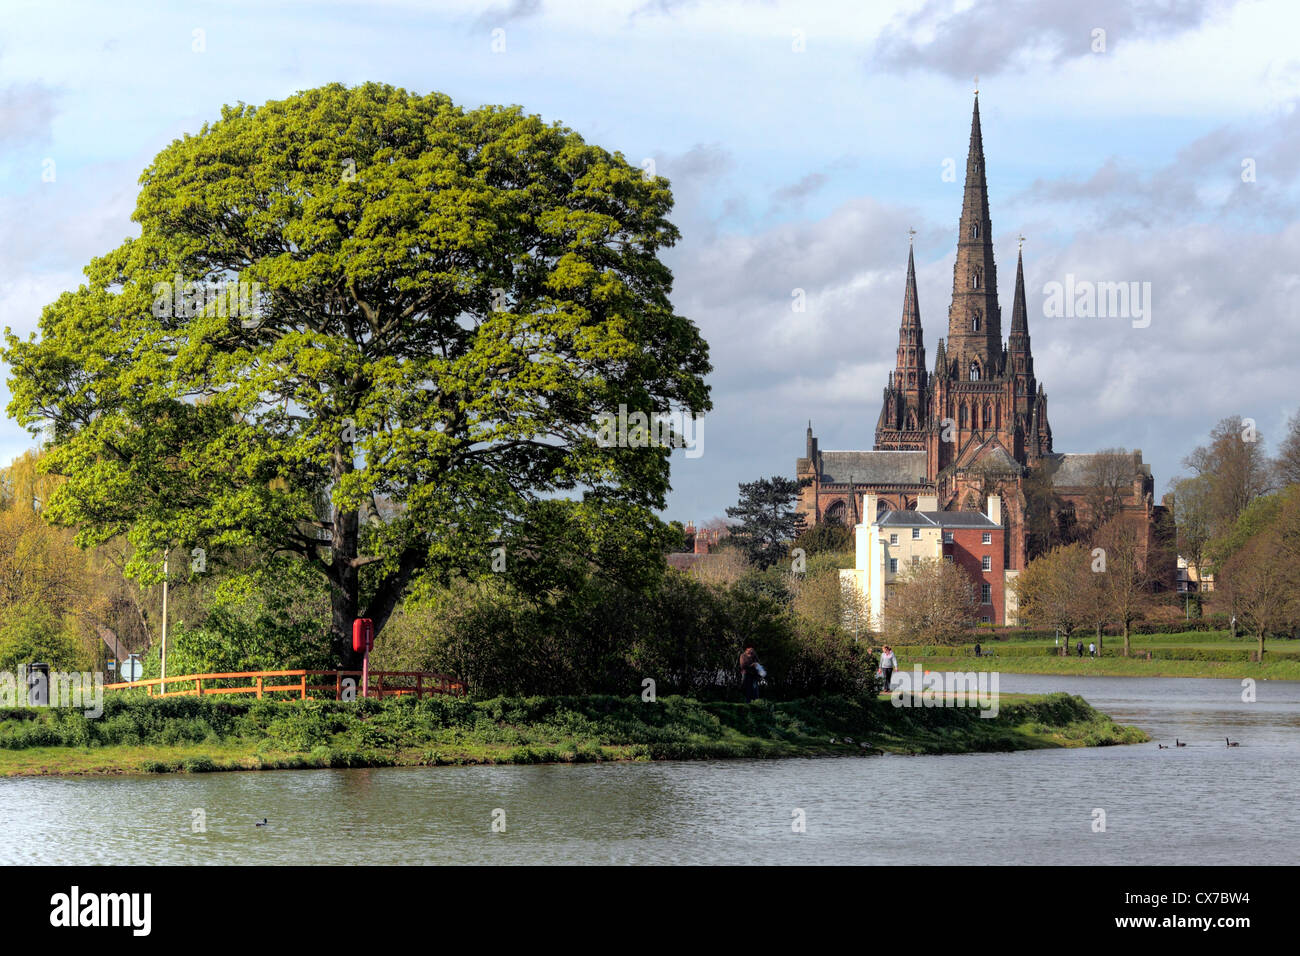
x: 438, y: 307
x: 768, y: 519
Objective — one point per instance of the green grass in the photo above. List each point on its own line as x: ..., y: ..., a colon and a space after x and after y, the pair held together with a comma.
x: 193, y: 735
x: 1197, y: 654
x: 1109, y: 666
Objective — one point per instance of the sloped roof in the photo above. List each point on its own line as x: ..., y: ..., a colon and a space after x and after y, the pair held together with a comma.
x: 1077, y: 470
x: 936, y: 519
x: 874, y: 467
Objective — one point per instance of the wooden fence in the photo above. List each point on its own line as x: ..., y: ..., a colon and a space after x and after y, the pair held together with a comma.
x: 382, y: 684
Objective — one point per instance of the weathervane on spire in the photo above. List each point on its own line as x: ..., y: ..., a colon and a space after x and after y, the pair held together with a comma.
x: 910, y: 234
x: 977, y: 84
x: 1022, y: 241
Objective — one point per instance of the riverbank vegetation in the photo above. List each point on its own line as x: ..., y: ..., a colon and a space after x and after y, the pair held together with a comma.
x: 149, y: 735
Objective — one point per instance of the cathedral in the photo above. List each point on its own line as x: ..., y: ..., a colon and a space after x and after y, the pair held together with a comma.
x: 974, y: 425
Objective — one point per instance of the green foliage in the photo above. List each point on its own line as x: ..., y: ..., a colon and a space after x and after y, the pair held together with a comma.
x: 768, y: 519
x: 536, y: 729
x: 828, y: 536
x: 447, y: 301
x: 604, y: 638
x: 32, y: 632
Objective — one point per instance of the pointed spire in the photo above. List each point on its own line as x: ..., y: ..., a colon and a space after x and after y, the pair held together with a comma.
x: 940, y: 362
x: 911, y: 304
x: 1019, y: 323
x: 974, y: 318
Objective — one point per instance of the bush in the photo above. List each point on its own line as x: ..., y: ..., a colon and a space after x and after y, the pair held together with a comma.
x: 33, y: 632
x: 682, y: 633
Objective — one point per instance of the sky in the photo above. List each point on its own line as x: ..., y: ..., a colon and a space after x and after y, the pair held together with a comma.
x: 1127, y: 141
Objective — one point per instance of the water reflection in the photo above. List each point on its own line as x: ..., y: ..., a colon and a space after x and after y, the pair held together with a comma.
x: 1203, y: 803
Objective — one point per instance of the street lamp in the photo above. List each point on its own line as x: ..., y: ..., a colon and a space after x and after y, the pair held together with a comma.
x: 163, y: 656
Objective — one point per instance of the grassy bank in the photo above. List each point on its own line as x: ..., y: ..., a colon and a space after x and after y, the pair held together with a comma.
x: 1196, y: 654
x: 1106, y: 666
x: 144, y: 735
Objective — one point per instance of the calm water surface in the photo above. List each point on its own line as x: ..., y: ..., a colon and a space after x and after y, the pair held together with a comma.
x: 1203, y: 803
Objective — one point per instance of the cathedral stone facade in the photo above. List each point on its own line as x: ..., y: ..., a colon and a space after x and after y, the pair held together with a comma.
x: 977, y: 423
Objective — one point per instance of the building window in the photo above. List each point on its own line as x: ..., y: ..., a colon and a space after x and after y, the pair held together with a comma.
x: 974, y: 230
x: 947, y: 537
x: 984, y: 619
x: 947, y: 557
x: 975, y: 322
x: 893, y: 565
x: 986, y: 594
x: 916, y: 534
x: 916, y: 559
x: 974, y: 372
x: 986, y: 563
x: 988, y: 537
x: 893, y: 539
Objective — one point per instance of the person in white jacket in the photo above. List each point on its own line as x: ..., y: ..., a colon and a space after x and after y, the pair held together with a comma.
x: 887, y: 664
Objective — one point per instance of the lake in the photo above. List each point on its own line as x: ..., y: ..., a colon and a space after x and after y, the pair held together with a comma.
x: 1200, y: 804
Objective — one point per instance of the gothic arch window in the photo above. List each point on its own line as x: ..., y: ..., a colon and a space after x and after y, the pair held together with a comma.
x: 974, y: 230
x: 911, y: 420
x: 911, y: 380
x: 988, y: 415
x: 974, y: 371
x: 882, y: 507
x: 962, y: 417
x: 977, y: 278
x: 837, y: 513
x: 911, y: 356
x: 1020, y: 386
x: 975, y: 321
x: 911, y: 504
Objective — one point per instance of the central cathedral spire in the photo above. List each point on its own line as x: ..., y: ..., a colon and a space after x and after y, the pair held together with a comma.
x: 974, y: 318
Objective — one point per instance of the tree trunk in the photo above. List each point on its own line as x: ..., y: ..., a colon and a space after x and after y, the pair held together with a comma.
x: 1126, y: 638
x: 344, y: 589
x: 1261, y: 646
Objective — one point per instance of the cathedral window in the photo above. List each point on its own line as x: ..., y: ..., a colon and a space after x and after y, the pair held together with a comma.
x: 911, y: 380
x: 975, y: 321
x: 988, y: 416
x: 975, y: 230
x: 962, y: 416
x: 977, y: 278
x: 974, y: 371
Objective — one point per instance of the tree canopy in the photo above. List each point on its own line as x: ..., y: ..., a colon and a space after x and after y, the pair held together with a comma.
x: 367, y: 328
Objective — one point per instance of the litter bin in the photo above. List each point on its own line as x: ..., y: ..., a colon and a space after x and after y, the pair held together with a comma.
x: 38, y: 684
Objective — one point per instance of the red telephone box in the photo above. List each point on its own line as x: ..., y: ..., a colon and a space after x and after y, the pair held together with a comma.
x: 363, y: 635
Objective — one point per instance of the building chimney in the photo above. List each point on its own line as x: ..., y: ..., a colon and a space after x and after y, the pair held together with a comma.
x: 994, y: 510
x: 927, y: 502
x: 869, y: 508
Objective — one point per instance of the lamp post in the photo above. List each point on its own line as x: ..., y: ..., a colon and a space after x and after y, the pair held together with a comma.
x: 163, y: 656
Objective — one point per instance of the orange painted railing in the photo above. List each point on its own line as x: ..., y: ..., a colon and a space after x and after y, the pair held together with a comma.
x: 382, y: 684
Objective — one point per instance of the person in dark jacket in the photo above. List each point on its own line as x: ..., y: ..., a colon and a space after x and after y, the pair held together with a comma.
x: 749, y: 672
x: 1079, y: 647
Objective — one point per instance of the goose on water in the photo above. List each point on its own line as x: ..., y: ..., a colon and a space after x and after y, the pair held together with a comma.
x: 1232, y: 743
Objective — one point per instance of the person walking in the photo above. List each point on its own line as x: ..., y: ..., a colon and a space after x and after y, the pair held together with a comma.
x: 887, y: 665
x: 1079, y: 648
x: 750, y: 672
x: 1092, y: 649
x: 977, y: 649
